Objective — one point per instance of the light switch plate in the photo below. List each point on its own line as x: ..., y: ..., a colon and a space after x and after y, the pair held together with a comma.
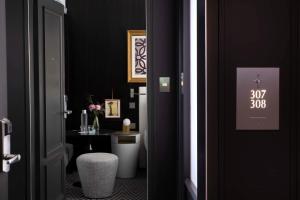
x: 131, y: 105
x: 131, y: 92
x: 164, y: 84
x: 132, y: 126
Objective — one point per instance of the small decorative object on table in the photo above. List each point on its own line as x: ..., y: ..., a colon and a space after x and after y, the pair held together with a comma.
x: 126, y: 125
x: 96, y: 109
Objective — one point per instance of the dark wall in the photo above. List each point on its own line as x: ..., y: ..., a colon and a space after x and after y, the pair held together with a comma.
x: 252, y: 164
x: 212, y: 98
x: 16, y: 96
x: 162, y: 29
x: 96, y: 37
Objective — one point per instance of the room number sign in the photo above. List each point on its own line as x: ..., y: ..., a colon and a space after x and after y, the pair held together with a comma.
x: 257, y: 99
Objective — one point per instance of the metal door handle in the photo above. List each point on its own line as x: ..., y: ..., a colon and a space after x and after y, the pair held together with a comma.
x: 68, y: 112
x: 12, y: 158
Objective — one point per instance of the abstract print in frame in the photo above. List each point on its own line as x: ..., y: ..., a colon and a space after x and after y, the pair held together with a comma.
x: 137, y: 56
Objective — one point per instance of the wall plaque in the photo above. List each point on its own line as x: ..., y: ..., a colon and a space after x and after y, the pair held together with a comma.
x: 257, y: 99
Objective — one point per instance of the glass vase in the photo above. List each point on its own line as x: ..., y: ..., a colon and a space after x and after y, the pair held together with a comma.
x: 96, y: 125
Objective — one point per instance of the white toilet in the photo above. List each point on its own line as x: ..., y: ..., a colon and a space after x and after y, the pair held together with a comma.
x: 132, y: 148
x: 143, y: 124
x: 126, y: 147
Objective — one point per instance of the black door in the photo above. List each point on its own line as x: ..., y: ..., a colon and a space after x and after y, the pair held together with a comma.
x: 3, y: 90
x: 51, y: 87
x: 252, y: 164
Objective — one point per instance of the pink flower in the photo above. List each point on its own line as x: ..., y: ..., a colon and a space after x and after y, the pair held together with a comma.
x: 98, y: 107
x: 92, y: 107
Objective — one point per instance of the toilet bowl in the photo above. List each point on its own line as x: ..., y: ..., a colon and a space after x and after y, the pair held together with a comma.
x: 126, y: 147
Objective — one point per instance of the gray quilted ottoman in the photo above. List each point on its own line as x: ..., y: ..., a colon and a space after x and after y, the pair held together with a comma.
x: 97, y: 172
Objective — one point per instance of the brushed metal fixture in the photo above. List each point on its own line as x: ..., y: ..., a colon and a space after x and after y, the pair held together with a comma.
x: 164, y: 84
x: 132, y: 93
x: 66, y: 111
x: 5, y: 143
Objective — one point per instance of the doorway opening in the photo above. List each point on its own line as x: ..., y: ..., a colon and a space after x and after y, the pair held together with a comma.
x: 106, y: 67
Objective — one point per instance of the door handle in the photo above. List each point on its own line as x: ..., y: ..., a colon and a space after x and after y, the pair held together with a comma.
x: 66, y: 111
x: 5, y: 142
x: 12, y: 158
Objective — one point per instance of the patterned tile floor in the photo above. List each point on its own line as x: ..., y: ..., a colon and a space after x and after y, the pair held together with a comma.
x: 125, y: 189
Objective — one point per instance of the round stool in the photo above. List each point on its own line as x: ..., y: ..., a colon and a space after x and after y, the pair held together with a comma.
x: 97, y: 172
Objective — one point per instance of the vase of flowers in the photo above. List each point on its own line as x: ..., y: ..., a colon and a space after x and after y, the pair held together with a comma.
x: 96, y: 109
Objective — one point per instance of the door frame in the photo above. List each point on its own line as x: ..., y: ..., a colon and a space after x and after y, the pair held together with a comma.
x: 186, y: 187
x: 202, y: 101
x: 3, y: 89
x: 153, y: 173
x: 163, y: 138
x: 30, y: 96
x: 212, y: 88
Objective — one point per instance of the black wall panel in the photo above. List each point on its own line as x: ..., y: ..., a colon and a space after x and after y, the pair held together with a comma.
x: 162, y: 28
x: 96, y: 50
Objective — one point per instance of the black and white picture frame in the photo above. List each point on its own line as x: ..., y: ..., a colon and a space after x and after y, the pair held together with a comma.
x: 137, y: 56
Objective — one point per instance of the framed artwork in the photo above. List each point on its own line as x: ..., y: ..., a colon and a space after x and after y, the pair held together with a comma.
x: 112, y: 108
x: 137, y: 56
